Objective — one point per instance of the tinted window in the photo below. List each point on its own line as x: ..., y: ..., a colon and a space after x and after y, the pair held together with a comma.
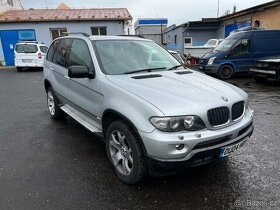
x: 52, y: 50
x: 26, y: 48
x: 61, y: 53
x: 242, y: 47
x: 80, y: 55
x: 43, y: 49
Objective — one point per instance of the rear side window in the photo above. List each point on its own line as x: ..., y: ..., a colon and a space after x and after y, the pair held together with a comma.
x: 26, y: 48
x: 61, y: 53
x: 80, y: 55
x: 52, y: 50
x: 43, y: 49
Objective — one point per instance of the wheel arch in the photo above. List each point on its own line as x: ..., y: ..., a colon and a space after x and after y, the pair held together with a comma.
x: 47, y: 84
x: 110, y: 115
x: 228, y: 63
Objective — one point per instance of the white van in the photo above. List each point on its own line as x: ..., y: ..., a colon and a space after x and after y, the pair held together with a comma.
x: 29, y: 54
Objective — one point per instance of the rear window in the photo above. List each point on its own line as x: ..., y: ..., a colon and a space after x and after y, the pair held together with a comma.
x: 26, y: 48
x: 43, y: 49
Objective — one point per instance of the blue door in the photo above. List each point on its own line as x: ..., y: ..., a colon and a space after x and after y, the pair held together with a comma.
x: 9, y: 39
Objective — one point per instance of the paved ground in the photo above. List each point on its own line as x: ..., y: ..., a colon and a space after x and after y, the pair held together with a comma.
x: 60, y: 165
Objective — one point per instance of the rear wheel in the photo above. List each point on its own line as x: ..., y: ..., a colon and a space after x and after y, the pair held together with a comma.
x: 19, y: 69
x: 54, y: 109
x: 125, y: 153
x: 225, y: 72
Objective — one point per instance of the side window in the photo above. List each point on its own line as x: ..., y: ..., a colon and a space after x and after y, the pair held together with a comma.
x: 80, y: 55
x: 242, y: 47
x: 61, y: 54
x: 52, y: 50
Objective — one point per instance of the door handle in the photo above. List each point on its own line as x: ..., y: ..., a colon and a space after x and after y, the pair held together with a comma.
x: 66, y: 77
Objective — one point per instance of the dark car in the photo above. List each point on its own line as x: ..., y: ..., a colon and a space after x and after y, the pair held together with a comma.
x: 266, y: 68
x: 238, y: 52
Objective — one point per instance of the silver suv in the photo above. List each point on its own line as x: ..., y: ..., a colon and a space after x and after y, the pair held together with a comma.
x: 155, y: 116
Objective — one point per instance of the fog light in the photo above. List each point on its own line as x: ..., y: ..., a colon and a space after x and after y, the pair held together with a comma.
x: 180, y: 146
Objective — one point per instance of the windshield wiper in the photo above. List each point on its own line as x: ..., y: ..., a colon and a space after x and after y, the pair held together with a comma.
x: 175, y: 67
x: 144, y: 70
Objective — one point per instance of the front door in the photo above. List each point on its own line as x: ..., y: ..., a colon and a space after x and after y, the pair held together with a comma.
x: 241, y: 54
x: 83, y: 92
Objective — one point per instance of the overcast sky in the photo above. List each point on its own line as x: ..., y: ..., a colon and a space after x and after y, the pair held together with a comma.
x: 177, y: 11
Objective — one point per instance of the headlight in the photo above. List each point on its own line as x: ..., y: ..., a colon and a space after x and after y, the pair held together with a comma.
x: 174, y: 124
x: 211, y: 60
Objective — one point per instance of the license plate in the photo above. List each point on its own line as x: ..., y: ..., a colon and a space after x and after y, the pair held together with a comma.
x: 225, y: 151
x: 27, y: 60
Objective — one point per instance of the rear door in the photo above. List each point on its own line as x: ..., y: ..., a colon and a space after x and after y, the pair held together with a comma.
x: 241, y: 55
x: 59, y: 66
x: 83, y: 92
x: 25, y: 54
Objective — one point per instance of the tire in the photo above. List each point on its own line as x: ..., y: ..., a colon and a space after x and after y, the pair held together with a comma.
x: 52, y: 103
x: 19, y: 69
x: 125, y: 153
x: 260, y: 79
x: 225, y: 72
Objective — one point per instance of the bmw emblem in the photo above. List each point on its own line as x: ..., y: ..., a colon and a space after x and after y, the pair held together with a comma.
x: 224, y: 98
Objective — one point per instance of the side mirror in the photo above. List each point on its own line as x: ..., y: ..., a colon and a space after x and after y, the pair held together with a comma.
x: 80, y: 72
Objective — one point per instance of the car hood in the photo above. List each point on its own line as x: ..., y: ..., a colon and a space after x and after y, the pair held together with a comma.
x: 213, y: 54
x: 180, y: 94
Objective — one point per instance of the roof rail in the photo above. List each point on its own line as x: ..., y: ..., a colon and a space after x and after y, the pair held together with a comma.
x: 140, y: 36
x: 79, y: 33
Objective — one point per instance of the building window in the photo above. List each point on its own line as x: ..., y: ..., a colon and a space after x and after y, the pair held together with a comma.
x: 175, y: 39
x: 99, y: 30
x: 57, y: 32
x: 10, y: 2
x: 188, y: 41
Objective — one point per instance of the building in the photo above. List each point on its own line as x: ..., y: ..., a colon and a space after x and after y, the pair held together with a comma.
x: 6, y: 5
x: 44, y: 25
x: 196, y: 33
x: 151, y: 28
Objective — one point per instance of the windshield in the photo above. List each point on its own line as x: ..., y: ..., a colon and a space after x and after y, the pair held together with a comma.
x: 225, y: 45
x: 43, y: 49
x: 124, y: 56
x: 26, y: 48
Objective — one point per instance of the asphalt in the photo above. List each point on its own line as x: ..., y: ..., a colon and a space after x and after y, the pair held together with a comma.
x: 45, y: 164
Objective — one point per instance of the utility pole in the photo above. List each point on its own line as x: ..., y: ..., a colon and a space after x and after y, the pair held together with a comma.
x: 218, y: 10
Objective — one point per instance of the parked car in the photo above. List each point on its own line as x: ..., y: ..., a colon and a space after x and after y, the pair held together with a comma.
x: 179, y: 58
x: 266, y: 68
x: 29, y: 54
x: 238, y: 52
x: 155, y: 116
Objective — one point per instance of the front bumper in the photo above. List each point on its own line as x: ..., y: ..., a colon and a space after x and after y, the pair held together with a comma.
x: 161, y: 146
x: 200, y: 157
x: 210, y: 69
x: 265, y: 73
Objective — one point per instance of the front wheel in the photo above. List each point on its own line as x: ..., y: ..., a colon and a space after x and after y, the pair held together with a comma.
x: 125, y: 153
x: 19, y: 69
x: 225, y: 72
x: 54, y: 109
